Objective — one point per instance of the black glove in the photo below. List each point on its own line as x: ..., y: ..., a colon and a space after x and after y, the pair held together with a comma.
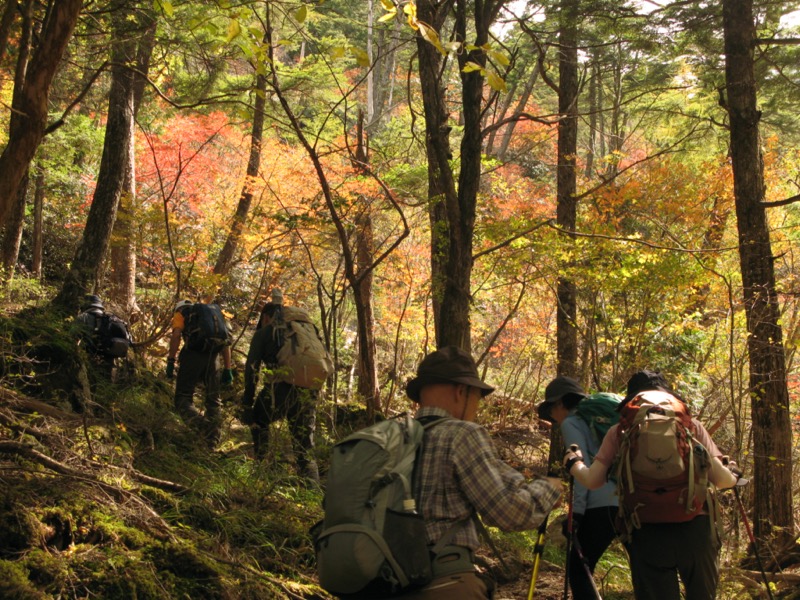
x: 570, y: 458
x: 732, y: 467
x: 576, y: 520
x: 170, y: 368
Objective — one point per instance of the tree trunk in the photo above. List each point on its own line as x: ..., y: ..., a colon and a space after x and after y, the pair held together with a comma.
x: 441, y: 184
x: 38, y: 224
x: 228, y: 252
x: 566, y: 211
x: 12, y: 236
x: 86, y: 269
x: 772, y: 434
x: 12, y: 230
x: 123, y: 238
x: 521, y: 103
x: 27, y: 132
x: 365, y: 255
x: 452, y: 320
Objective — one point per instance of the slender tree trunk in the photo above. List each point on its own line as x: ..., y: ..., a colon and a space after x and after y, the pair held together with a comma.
x: 6, y: 21
x: 566, y: 325
x: 365, y: 255
x: 772, y: 433
x: 38, y: 224
x: 123, y: 238
x: 27, y: 132
x: 86, y: 269
x: 441, y: 184
x: 228, y: 253
x: 521, y: 103
x: 12, y: 237
x: 12, y: 230
x: 452, y: 320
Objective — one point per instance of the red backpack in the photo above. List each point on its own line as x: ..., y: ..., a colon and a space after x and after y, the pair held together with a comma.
x: 662, y: 470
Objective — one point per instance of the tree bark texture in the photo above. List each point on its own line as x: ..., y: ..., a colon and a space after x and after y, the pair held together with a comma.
x: 15, y: 221
x: 38, y: 224
x: 452, y: 321
x: 769, y: 397
x: 123, y: 236
x: 441, y: 183
x: 86, y: 268
x: 27, y: 132
x: 566, y: 210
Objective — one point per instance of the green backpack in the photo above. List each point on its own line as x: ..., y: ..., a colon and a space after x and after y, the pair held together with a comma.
x: 372, y: 541
x: 600, y: 412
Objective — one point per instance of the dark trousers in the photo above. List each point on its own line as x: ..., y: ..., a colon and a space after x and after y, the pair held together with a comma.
x: 194, y: 368
x: 299, y: 407
x: 594, y: 536
x: 659, y: 552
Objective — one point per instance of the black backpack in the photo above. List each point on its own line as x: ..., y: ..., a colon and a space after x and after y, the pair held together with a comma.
x: 109, y: 334
x: 205, y: 329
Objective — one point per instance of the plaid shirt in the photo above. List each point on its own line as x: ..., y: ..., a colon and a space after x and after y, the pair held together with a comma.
x: 461, y: 473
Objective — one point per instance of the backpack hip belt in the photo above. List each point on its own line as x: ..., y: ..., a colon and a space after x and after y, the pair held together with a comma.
x: 450, y: 560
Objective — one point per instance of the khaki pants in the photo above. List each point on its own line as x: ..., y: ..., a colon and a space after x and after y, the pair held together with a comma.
x: 458, y: 586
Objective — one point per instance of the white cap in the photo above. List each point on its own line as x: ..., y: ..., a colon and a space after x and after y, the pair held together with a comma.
x: 181, y: 304
x: 277, y: 296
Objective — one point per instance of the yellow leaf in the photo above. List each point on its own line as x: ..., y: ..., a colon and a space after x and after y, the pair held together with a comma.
x: 389, y: 5
x: 496, y: 82
x: 411, y: 11
x: 301, y: 13
x: 470, y: 66
x: 336, y: 52
x: 234, y: 29
x: 429, y: 34
x: 388, y: 16
x: 361, y: 56
x: 499, y: 58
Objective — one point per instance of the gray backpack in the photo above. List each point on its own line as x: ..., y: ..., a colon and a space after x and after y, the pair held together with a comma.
x: 372, y: 541
x: 304, y: 359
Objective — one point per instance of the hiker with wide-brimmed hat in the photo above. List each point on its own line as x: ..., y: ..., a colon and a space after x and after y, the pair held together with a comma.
x: 592, y: 527
x: 461, y: 475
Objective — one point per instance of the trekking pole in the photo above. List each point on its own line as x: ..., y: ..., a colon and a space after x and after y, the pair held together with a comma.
x: 538, y: 549
x: 589, y: 574
x: 739, y: 483
x: 572, y: 448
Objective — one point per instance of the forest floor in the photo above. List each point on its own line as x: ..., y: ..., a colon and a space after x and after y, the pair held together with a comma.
x: 121, y: 500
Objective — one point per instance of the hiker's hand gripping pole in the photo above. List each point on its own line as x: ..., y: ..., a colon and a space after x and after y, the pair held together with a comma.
x: 568, y: 464
x: 741, y: 481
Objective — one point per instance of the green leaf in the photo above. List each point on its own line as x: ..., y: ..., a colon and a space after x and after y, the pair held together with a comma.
x: 165, y: 6
x: 336, y: 52
x: 301, y: 13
